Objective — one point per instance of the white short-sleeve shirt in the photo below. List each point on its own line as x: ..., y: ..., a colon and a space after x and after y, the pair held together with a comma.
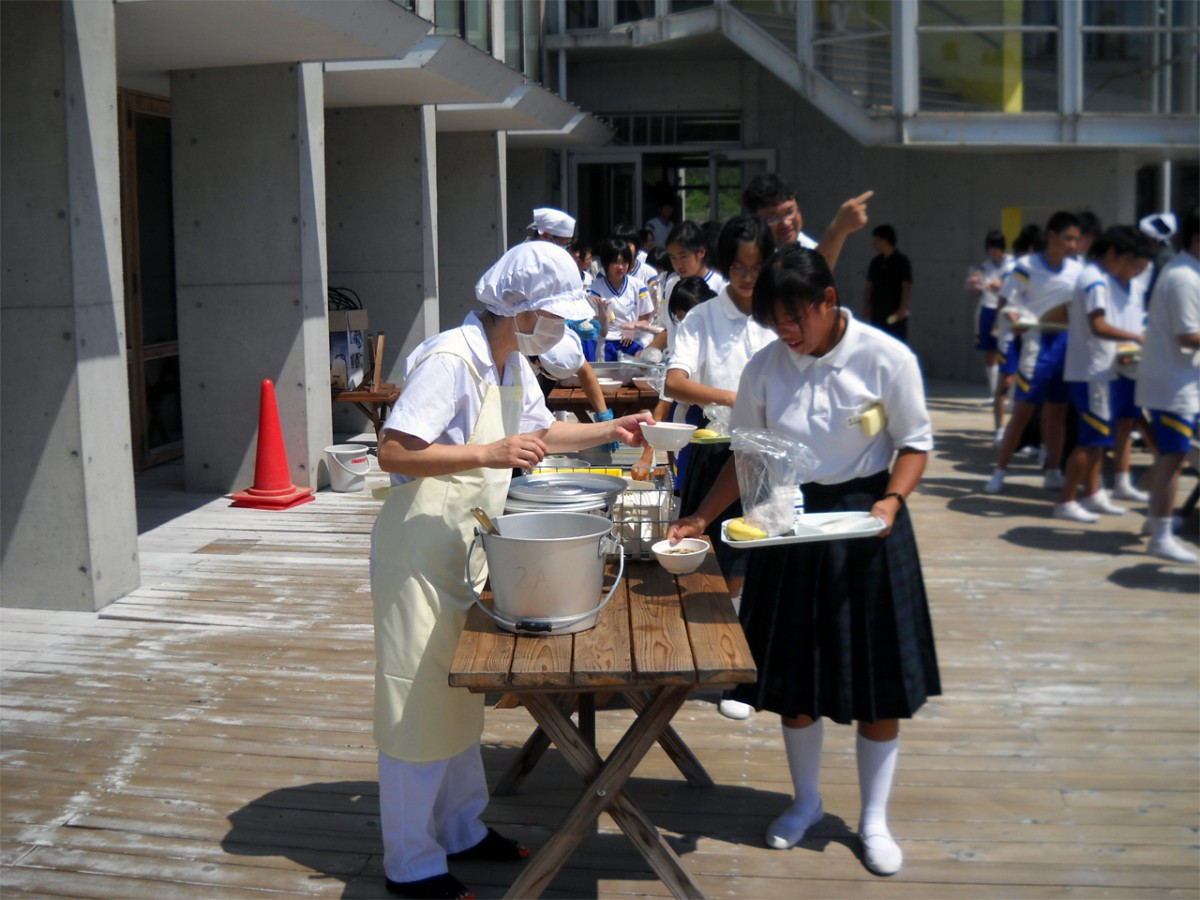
x: 441, y: 400
x: 715, y: 341
x: 991, y: 270
x: 817, y: 401
x: 627, y: 304
x: 1169, y: 375
x: 1091, y: 358
x: 1036, y: 286
x: 714, y: 279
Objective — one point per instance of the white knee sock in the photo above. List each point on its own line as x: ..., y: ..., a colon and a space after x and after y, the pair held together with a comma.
x: 803, y: 746
x: 993, y: 378
x: 876, y: 768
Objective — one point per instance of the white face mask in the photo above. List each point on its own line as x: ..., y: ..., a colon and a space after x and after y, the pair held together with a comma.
x: 546, y: 333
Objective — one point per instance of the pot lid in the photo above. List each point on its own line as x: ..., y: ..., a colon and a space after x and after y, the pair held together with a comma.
x: 565, y: 487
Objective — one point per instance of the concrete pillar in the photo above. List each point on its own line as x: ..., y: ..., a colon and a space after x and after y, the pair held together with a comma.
x: 471, y: 215
x: 249, y: 184
x: 68, y: 523
x: 383, y: 227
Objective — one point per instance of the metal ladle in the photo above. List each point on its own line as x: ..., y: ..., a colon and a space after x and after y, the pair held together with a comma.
x: 485, y: 520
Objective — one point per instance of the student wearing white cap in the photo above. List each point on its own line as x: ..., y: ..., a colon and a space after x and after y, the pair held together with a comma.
x: 1169, y: 384
x: 552, y: 225
x: 470, y: 412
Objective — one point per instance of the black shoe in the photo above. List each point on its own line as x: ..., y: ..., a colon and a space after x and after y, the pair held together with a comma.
x: 495, y: 847
x: 439, y: 887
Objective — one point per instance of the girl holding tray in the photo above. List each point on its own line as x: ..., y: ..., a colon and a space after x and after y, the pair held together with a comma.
x: 840, y: 629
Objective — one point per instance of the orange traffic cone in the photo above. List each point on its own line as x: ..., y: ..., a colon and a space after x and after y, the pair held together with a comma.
x: 273, y: 488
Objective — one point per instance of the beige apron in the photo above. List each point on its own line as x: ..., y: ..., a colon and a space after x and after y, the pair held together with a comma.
x: 419, y: 551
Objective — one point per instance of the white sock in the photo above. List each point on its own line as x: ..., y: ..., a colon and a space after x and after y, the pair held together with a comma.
x: 1122, y: 481
x: 803, y: 746
x: 993, y: 378
x: 876, y: 768
x: 1162, y: 528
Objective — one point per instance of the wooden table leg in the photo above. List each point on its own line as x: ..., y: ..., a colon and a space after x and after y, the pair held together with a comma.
x: 674, y: 746
x: 533, y: 750
x: 605, y: 791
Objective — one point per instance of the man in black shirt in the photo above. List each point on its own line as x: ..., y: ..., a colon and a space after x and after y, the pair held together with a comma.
x: 889, y: 284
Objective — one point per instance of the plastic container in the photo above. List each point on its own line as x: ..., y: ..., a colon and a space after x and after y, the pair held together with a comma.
x: 348, y: 466
x: 547, y: 570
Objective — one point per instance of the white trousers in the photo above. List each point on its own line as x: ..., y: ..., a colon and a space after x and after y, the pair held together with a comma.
x: 429, y: 809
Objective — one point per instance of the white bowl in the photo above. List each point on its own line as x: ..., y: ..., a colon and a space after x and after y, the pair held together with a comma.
x: 682, y: 558
x: 668, y: 435
x: 609, y: 385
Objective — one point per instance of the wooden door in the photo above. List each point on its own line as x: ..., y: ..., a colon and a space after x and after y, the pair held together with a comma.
x: 151, y: 320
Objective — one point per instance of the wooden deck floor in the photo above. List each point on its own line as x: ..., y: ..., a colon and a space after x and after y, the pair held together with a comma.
x: 209, y: 735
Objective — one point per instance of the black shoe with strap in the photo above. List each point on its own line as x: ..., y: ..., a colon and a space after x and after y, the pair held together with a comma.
x: 495, y: 847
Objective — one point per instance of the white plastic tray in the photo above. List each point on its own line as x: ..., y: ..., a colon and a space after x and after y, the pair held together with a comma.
x: 832, y: 526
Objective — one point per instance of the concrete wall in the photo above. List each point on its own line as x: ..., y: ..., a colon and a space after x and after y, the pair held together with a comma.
x: 941, y: 202
x: 249, y: 193
x: 380, y: 232
x: 533, y: 181
x: 68, y: 526
x: 471, y: 185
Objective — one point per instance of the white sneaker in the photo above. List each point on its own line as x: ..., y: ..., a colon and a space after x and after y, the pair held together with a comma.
x: 881, y: 853
x: 1099, y: 503
x: 999, y: 438
x: 735, y: 709
x: 1073, y: 512
x: 1169, y: 548
x: 1053, y: 480
x: 1029, y: 451
x: 789, y: 829
x: 1129, y: 492
x: 996, y: 483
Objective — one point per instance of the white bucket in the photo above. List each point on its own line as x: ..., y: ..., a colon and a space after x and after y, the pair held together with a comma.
x: 547, y: 570
x: 348, y: 464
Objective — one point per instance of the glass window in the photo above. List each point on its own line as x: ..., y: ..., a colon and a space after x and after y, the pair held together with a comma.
x: 447, y: 17
x: 1140, y: 57
x: 632, y: 10
x: 514, y: 32
x: 684, y: 5
x: 533, y: 40
x: 982, y: 56
x: 583, y: 14
x: 479, y: 21
x: 852, y: 47
x: 776, y: 19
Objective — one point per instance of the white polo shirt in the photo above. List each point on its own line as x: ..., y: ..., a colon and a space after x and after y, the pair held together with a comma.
x: 989, y: 299
x: 627, y: 305
x: 716, y: 341
x: 441, y: 401
x: 817, y: 401
x: 1168, y: 375
x: 714, y: 279
x: 1035, y: 286
x: 1091, y: 358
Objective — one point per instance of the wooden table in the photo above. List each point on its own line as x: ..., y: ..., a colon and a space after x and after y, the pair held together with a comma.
x: 658, y: 640
x: 376, y: 404
x: 626, y: 400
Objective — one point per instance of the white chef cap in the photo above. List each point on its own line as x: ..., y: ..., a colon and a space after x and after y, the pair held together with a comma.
x: 552, y: 221
x: 1159, y: 226
x: 531, y: 276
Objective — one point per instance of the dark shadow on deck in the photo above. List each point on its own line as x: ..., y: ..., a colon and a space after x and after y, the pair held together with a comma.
x: 332, y: 828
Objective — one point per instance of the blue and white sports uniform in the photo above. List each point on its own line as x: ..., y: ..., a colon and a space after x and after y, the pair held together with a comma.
x: 986, y: 337
x: 1169, y: 375
x: 1091, y: 361
x: 1038, y: 289
x: 626, y: 304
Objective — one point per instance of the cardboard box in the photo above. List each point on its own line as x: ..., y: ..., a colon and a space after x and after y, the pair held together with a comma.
x: 347, y: 347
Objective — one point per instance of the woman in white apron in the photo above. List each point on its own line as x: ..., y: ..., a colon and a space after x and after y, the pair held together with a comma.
x: 470, y: 412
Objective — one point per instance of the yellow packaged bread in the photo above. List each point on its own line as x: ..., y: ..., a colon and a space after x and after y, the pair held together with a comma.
x: 873, y: 420
x: 740, y: 530
x: 704, y: 433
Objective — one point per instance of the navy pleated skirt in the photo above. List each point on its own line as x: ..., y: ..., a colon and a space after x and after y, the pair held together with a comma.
x: 840, y: 629
x: 703, y: 466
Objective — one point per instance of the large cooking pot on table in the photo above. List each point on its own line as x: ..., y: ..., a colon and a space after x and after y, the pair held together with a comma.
x: 546, y: 571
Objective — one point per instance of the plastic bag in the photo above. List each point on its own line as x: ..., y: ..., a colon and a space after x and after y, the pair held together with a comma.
x: 768, y: 469
x: 718, y: 417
